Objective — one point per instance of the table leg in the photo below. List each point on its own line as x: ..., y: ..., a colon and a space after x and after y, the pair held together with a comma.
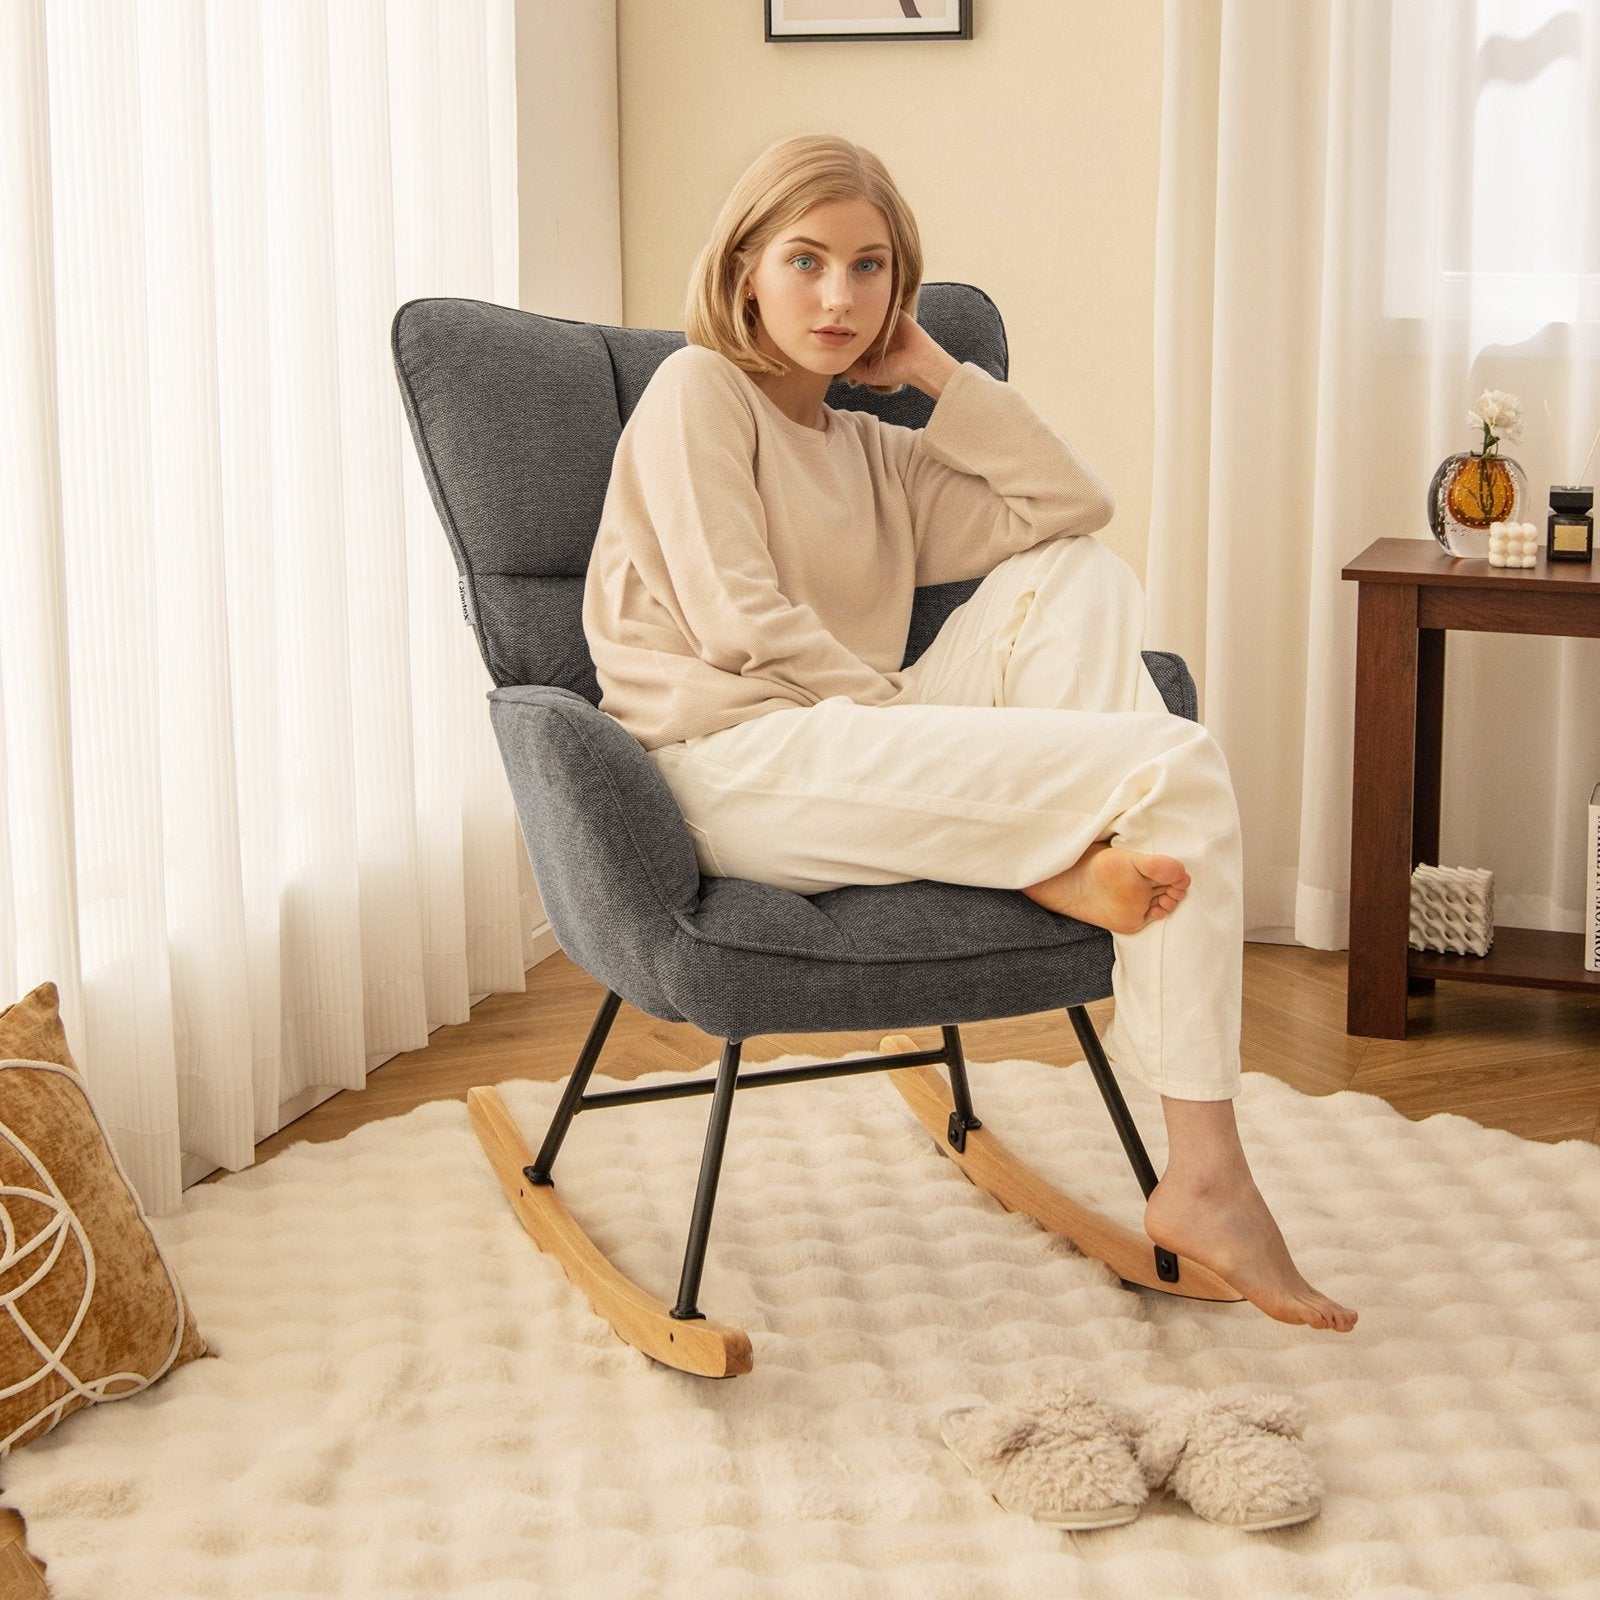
x: 1425, y: 785
x: 1430, y: 746
x: 1381, y: 808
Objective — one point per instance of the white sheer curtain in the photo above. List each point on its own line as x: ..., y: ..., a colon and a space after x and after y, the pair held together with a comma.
x: 252, y: 822
x: 1370, y: 212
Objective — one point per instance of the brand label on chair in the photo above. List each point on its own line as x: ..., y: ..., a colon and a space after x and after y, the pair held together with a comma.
x: 466, y: 603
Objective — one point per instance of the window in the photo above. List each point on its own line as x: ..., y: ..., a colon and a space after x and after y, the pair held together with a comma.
x: 1493, y: 197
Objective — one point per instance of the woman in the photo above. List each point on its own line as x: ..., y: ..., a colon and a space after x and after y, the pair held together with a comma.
x: 747, y: 608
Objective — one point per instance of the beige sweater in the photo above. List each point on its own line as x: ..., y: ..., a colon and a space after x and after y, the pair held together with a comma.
x: 746, y: 563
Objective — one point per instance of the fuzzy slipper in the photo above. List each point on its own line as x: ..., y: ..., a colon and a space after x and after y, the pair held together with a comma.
x: 1066, y: 1458
x: 1237, y: 1457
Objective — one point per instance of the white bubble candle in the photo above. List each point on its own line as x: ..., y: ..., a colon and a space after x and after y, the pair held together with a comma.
x: 1513, y: 544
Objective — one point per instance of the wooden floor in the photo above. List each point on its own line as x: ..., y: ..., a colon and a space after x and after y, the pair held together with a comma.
x: 1527, y: 1060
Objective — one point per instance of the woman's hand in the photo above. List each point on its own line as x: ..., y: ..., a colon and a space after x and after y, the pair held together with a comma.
x: 913, y: 356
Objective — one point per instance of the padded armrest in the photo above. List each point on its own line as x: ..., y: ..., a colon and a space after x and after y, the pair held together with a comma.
x: 1175, y: 681
x: 619, y: 861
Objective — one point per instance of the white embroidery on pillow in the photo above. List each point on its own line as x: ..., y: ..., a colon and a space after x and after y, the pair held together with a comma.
x: 60, y: 1228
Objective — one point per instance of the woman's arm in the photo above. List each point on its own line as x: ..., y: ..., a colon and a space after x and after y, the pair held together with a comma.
x: 912, y: 356
x: 988, y: 477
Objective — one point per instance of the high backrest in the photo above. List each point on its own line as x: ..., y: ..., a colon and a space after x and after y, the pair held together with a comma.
x: 516, y: 418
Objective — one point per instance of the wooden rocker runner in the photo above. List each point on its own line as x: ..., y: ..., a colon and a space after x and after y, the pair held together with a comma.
x: 679, y: 1335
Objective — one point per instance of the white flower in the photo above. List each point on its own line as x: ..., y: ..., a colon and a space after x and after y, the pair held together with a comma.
x: 1498, y: 413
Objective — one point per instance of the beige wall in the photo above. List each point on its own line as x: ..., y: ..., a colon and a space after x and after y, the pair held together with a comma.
x: 569, y: 234
x: 1028, y: 153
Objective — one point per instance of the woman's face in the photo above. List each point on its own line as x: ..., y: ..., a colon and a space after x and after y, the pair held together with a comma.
x: 832, y: 267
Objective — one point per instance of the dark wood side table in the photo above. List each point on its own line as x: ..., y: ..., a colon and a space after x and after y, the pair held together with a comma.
x: 1410, y: 593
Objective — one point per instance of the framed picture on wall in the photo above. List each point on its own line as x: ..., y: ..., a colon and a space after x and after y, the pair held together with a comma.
x: 868, y: 19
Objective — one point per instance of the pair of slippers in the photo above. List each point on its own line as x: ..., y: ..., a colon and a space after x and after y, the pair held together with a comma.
x: 1075, y: 1461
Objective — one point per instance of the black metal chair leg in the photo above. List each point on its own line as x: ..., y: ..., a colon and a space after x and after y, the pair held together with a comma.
x: 567, y: 1108
x: 694, y: 1258
x: 1111, y: 1093
x: 963, y: 1118
x: 1133, y: 1146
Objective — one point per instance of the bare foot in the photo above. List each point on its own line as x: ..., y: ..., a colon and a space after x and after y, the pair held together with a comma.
x: 1122, y: 890
x: 1227, y: 1227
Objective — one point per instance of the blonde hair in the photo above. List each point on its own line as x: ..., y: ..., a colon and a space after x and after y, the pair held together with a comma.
x: 783, y: 183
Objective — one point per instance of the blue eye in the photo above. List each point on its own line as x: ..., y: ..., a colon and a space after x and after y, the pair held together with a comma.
x: 870, y: 262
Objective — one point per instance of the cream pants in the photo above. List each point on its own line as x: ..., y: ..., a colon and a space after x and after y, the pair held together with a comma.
x: 1039, y: 731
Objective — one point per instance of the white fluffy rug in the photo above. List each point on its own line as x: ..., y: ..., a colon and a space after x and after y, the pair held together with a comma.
x: 411, y: 1401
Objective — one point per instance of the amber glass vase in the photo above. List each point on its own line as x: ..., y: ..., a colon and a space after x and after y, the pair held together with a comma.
x: 1469, y: 492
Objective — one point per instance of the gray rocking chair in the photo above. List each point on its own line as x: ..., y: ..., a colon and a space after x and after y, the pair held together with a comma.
x: 515, y: 418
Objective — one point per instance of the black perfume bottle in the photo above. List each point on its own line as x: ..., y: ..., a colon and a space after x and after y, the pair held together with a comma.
x: 1571, y: 535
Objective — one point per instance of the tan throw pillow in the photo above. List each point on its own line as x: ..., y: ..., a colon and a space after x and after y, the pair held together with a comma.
x: 31, y: 1029
x: 89, y: 1309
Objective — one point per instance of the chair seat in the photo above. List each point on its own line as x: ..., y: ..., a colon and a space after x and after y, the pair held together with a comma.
x: 753, y: 959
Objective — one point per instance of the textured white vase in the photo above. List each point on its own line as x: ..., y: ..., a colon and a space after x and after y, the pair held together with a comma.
x: 1452, y: 909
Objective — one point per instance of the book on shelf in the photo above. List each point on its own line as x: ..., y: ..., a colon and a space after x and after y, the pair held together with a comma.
x: 1591, y: 901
